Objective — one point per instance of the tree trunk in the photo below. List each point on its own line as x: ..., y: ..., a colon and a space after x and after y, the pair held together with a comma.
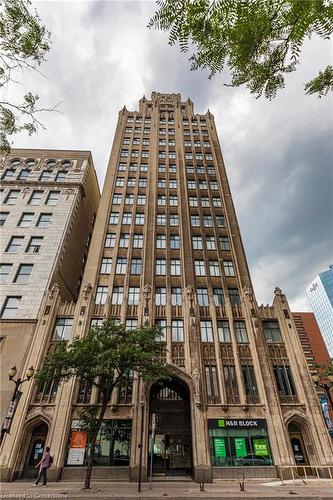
x: 93, y: 443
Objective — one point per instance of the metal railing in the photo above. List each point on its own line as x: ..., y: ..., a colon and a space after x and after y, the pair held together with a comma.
x: 305, y: 472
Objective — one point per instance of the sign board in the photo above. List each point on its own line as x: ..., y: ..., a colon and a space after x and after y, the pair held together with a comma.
x: 325, y: 410
x: 11, y: 411
x: 260, y: 447
x: 76, y: 456
x: 237, y: 423
x: 240, y: 447
x: 219, y: 447
x: 78, y: 439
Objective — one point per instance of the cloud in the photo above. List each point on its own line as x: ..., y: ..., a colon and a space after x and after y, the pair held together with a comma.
x: 278, y: 154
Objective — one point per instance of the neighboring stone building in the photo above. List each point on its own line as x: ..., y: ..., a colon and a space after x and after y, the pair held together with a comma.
x: 320, y: 295
x: 167, y: 249
x: 49, y: 203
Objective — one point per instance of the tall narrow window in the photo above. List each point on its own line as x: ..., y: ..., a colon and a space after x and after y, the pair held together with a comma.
x: 160, y: 296
x: 133, y: 295
x: 117, y: 295
x: 223, y: 331
x: 240, y: 330
x: 250, y: 383
x: 199, y: 266
x: 206, y: 330
x: 214, y: 268
x: 138, y: 241
x: 114, y: 218
x: 218, y: 296
x: 136, y: 266
x: 106, y: 265
x: 110, y: 240
x: 124, y: 240
x: 228, y: 268
x: 211, y: 382
x: 175, y: 267
x: 176, y: 296
x: 202, y: 294
x: 160, y: 267
x: 62, y: 329
x: 160, y: 241
x: 174, y: 241
x: 272, y: 331
x: 177, y: 330
x: 101, y: 294
x: 121, y: 265
x: 162, y: 324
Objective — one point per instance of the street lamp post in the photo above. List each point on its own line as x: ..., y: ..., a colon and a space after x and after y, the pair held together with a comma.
x: 142, y: 406
x: 15, y: 399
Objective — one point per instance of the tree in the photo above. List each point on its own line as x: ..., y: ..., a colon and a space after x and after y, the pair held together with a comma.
x: 105, y: 358
x: 257, y: 41
x: 24, y: 43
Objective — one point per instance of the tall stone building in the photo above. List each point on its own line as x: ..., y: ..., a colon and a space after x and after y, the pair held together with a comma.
x: 167, y: 249
x: 49, y: 201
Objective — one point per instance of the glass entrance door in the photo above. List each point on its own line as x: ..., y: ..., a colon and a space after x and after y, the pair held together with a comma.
x: 170, y: 429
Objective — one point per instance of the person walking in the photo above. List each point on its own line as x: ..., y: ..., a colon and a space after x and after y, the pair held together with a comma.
x: 43, y: 465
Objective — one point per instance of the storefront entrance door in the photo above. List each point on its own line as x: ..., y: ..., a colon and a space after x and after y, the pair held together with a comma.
x: 298, y: 449
x: 170, y: 429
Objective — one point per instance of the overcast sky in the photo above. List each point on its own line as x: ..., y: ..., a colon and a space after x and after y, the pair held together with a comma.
x: 278, y: 154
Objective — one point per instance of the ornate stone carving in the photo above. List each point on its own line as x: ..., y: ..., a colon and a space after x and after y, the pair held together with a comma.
x: 54, y: 291
x: 87, y: 291
x: 196, y: 385
x: 248, y: 292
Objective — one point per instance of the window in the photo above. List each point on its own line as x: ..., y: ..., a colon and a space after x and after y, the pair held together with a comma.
x: 190, y: 169
x: 12, y: 196
x: 138, y: 241
x: 176, y: 296
x: 202, y: 185
x: 172, y: 169
x: 191, y: 184
x: 272, y: 331
x: 188, y: 156
x: 145, y: 154
x: 44, y: 220
x: 250, y: 383
x: 199, y: 266
x: 117, y: 295
x: 127, y: 218
x: 206, y: 330
x: 124, y: 153
x: 213, y: 185
x: 52, y: 198
x: 173, y: 201
x: 141, y: 199
x: 228, y: 268
x: 175, y: 267
x: 241, y: 334
x: 120, y: 181
x: 223, y: 331
x: 116, y: 200
x: 208, y: 221
x: 131, y: 324
x: 114, y: 218
x: 174, y: 241
x: 124, y: 240
x: 195, y: 221
x: 211, y: 382
x: 34, y: 244
x: 144, y: 167
x: 160, y: 296
x: 202, y: 294
x: 26, y: 219
x: 4, y: 272
x: 161, y: 155
x: 62, y: 329
x: 205, y: 201
x: 161, y: 183
x: 110, y: 240
x: 146, y: 130
x: 142, y: 182
x: 145, y: 142
x: 3, y: 217
x: 177, y: 330
x: 198, y: 156
x: 210, y: 242
x: 106, y: 265
x: 193, y: 200
x: 160, y: 267
x: 172, y: 184
x: 234, y: 296
x: 161, y: 219
x: 217, y: 202
x: 121, y: 265
x: 161, y: 323
x: 284, y: 381
x: 197, y: 243
x: 10, y: 307
x: 35, y: 197
x: 161, y: 200
x: 160, y: 241
x: 136, y: 266
x: 46, y: 176
x: 129, y: 199
x: 218, y: 296
x: 140, y: 219
x: 61, y: 176
x: 133, y: 168
x: 101, y: 294
x: 127, y: 140
x: 161, y: 168
x: 214, y: 268
x: 23, y: 273
x: 224, y: 243
x: 9, y: 174
x: 173, y: 220
x: 24, y: 174
x: 14, y: 245
x: 133, y: 295
x: 131, y: 181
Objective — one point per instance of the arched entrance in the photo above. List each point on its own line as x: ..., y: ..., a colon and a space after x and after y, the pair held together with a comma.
x: 297, y: 444
x: 170, y: 437
x: 35, y: 449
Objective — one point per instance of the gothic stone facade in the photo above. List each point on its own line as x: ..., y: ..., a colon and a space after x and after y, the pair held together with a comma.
x: 167, y: 249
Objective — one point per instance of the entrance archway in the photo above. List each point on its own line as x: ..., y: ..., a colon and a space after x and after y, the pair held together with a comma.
x: 35, y: 449
x: 297, y: 444
x: 170, y: 436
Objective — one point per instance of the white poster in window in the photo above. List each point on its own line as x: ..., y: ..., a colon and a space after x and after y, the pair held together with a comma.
x: 75, y: 456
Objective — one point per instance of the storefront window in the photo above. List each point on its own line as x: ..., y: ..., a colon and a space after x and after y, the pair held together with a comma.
x: 239, y: 443
x: 113, y: 444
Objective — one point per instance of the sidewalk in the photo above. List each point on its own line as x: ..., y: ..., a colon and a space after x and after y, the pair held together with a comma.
x: 168, y: 490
